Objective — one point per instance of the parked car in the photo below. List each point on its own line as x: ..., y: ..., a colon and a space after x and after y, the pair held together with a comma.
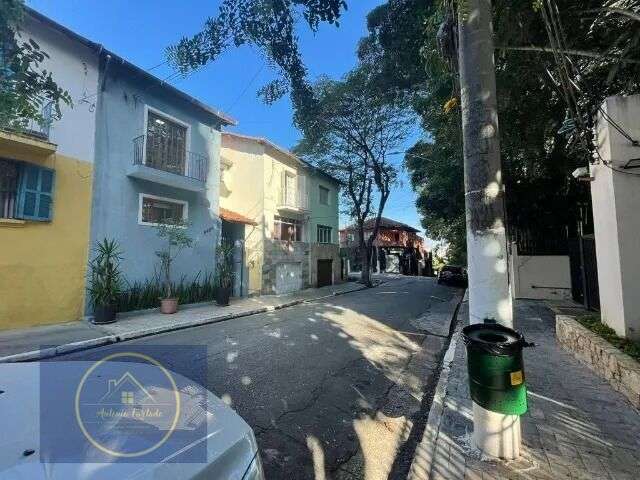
x: 224, y: 448
x: 453, y: 275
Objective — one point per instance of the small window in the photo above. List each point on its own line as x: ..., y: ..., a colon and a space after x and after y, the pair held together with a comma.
x: 26, y: 191
x: 324, y: 195
x: 396, y: 237
x: 324, y: 234
x: 287, y: 229
x: 155, y: 210
x: 351, y: 237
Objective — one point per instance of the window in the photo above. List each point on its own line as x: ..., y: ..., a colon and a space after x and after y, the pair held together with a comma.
x: 155, y: 210
x: 396, y: 237
x: 127, y: 398
x: 351, y: 237
x: 324, y: 195
x: 166, y: 144
x: 26, y: 191
x: 324, y: 234
x: 288, y: 229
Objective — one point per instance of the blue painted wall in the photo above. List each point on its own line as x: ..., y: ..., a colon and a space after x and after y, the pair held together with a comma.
x: 120, y: 118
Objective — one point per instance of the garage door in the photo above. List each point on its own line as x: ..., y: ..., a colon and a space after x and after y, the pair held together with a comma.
x: 288, y: 277
x: 325, y: 272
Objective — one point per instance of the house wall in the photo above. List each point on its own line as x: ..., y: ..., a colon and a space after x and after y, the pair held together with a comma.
x: 615, y: 196
x: 326, y: 215
x: 242, y: 191
x: 277, y: 251
x: 43, y: 264
x: 121, y: 118
x: 545, y: 277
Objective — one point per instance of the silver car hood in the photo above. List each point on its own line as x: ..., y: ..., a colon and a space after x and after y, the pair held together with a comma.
x: 230, y: 443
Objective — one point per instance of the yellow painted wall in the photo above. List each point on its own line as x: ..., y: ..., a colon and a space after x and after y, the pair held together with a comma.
x: 43, y: 264
x: 242, y: 191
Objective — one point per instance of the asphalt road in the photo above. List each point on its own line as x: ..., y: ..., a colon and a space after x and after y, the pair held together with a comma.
x: 332, y: 388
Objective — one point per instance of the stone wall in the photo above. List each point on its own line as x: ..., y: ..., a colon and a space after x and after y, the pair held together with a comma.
x: 620, y: 370
x: 324, y: 251
x: 280, y: 251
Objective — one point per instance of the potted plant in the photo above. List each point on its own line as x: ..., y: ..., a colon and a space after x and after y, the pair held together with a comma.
x: 105, y: 281
x: 224, y: 272
x: 175, y: 237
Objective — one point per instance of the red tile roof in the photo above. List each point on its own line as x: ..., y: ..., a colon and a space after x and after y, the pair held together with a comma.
x: 234, y: 217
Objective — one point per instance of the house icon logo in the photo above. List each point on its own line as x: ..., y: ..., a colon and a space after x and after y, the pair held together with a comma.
x: 128, y: 391
x: 127, y: 404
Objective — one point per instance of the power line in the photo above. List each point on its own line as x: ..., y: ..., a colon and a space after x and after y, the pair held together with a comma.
x: 244, y: 90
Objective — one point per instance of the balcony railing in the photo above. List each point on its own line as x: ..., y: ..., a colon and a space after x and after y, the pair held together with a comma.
x: 293, y: 198
x: 38, y: 129
x: 173, y: 160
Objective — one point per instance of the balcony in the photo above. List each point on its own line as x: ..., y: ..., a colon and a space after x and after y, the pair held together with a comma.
x: 293, y: 198
x: 31, y: 137
x: 168, y: 164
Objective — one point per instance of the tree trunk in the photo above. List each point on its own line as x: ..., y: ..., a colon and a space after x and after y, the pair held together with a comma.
x: 365, y: 256
x: 489, y: 296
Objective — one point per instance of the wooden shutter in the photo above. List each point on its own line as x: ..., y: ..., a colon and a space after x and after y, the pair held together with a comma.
x: 35, y: 193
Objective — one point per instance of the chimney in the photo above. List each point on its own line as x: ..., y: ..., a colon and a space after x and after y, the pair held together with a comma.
x: 112, y: 385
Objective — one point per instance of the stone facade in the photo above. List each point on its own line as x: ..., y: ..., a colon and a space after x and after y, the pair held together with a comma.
x: 324, y: 251
x: 278, y: 252
x: 620, y: 370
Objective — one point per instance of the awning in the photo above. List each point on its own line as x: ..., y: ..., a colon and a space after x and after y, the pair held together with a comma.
x: 234, y: 217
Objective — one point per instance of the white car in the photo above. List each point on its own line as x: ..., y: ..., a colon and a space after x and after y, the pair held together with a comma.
x: 231, y: 450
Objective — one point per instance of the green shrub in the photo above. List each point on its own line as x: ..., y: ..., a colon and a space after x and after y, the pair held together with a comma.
x: 147, y: 294
x: 593, y: 323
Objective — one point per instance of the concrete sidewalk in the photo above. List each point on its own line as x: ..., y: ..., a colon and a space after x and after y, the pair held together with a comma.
x: 27, y: 343
x: 577, y: 426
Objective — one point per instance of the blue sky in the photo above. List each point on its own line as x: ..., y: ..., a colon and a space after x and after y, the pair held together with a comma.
x: 140, y: 30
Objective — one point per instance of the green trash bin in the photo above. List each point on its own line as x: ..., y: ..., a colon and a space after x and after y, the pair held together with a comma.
x: 496, y: 369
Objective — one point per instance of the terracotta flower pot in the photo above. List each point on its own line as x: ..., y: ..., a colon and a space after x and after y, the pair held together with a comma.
x: 169, y: 305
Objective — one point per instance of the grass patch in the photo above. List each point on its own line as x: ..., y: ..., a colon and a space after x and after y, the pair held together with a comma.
x: 593, y: 323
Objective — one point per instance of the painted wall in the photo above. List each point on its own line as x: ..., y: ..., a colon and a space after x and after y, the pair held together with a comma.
x: 545, y: 277
x: 43, y: 264
x: 121, y: 118
x: 75, y: 68
x: 326, y: 215
x: 242, y: 191
x: 615, y: 196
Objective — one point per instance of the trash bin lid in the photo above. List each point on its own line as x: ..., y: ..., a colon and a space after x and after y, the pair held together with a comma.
x: 493, y: 338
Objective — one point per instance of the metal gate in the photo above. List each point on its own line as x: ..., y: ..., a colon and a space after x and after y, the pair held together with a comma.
x: 590, y: 272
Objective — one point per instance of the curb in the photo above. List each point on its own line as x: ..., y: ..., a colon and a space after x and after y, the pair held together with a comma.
x: 51, y: 352
x: 423, y: 459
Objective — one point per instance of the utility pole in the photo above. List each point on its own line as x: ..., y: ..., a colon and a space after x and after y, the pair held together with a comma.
x: 495, y: 434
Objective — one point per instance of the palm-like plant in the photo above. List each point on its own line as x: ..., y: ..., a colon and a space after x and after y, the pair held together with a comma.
x: 174, y: 233
x: 105, y: 279
x: 224, y: 260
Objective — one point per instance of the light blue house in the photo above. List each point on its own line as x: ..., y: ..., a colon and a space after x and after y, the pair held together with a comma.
x: 157, y: 157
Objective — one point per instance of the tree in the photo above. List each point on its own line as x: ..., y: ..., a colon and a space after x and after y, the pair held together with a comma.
x: 352, y: 135
x: 25, y: 88
x: 267, y: 24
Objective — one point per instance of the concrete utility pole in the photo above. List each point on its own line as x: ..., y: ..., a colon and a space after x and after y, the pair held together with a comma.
x: 489, y: 297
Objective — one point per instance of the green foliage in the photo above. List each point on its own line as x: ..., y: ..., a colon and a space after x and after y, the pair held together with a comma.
x: 268, y: 25
x: 224, y: 264
x: 144, y: 295
x: 593, y: 323
x: 175, y: 237
x: 25, y: 88
x: 105, y: 279
x: 538, y: 149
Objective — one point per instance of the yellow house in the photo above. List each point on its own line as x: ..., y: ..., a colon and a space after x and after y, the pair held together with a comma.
x: 45, y: 193
x: 286, y: 213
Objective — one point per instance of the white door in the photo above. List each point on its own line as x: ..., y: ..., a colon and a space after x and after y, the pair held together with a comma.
x: 288, y: 277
